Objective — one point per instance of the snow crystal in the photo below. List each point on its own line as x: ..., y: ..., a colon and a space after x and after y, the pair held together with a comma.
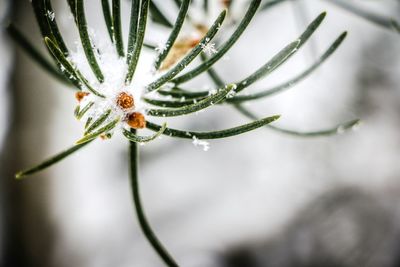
x: 232, y: 93
x: 51, y: 15
x: 204, y: 144
x: 161, y: 47
x: 340, y: 129
x: 209, y: 48
x: 212, y: 92
x: 356, y: 126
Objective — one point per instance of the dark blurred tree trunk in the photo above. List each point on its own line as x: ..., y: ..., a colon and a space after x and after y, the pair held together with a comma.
x: 27, y: 231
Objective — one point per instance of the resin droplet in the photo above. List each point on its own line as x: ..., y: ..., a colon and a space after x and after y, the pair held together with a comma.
x: 125, y: 101
x: 136, y: 120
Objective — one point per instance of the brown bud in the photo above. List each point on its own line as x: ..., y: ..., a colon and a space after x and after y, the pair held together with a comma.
x: 125, y: 101
x: 226, y: 3
x: 136, y: 120
x: 80, y: 95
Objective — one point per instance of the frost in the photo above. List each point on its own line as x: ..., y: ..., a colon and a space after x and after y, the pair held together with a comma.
x: 340, y: 129
x: 209, y: 48
x: 50, y: 15
x: 212, y: 92
x: 169, y: 85
x: 356, y: 126
x: 161, y: 47
x: 168, y: 97
x: 198, y: 112
x: 204, y: 144
x: 232, y: 93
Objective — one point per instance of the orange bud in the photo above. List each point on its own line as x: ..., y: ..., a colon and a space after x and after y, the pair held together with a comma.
x: 80, y: 95
x: 136, y: 120
x: 125, y: 101
x: 226, y: 3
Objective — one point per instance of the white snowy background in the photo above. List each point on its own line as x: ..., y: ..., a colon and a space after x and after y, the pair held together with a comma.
x: 244, y: 188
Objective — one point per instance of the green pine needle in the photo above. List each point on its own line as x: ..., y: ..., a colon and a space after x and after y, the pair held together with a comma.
x: 117, y: 27
x: 108, y: 18
x: 56, y: 35
x: 214, y: 134
x: 224, y: 48
x: 137, y: 47
x: 80, y: 112
x: 69, y: 68
x: 338, y: 129
x: 49, y: 162
x: 183, y: 63
x: 86, y: 43
x: 294, y: 81
x: 205, y: 103
x: 143, y: 139
x: 102, y: 118
x: 37, y: 57
x: 158, y: 17
x: 108, y: 127
x: 133, y: 28
x: 174, y: 33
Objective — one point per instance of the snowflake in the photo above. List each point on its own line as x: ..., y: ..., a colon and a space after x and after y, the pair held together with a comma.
x: 51, y: 15
x: 232, y: 93
x: 209, y: 48
x: 204, y: 144
x: 161, y: 47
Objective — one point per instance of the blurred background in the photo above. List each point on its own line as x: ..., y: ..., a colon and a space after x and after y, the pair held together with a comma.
x: 259, y: 199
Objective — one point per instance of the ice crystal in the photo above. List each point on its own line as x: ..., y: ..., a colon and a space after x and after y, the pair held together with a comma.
x: 204, y: 144
x: 51, y: 15
x: 161, y: 47
x: 232, y: 93
x: 212, y: 92
x: 209, y: 48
